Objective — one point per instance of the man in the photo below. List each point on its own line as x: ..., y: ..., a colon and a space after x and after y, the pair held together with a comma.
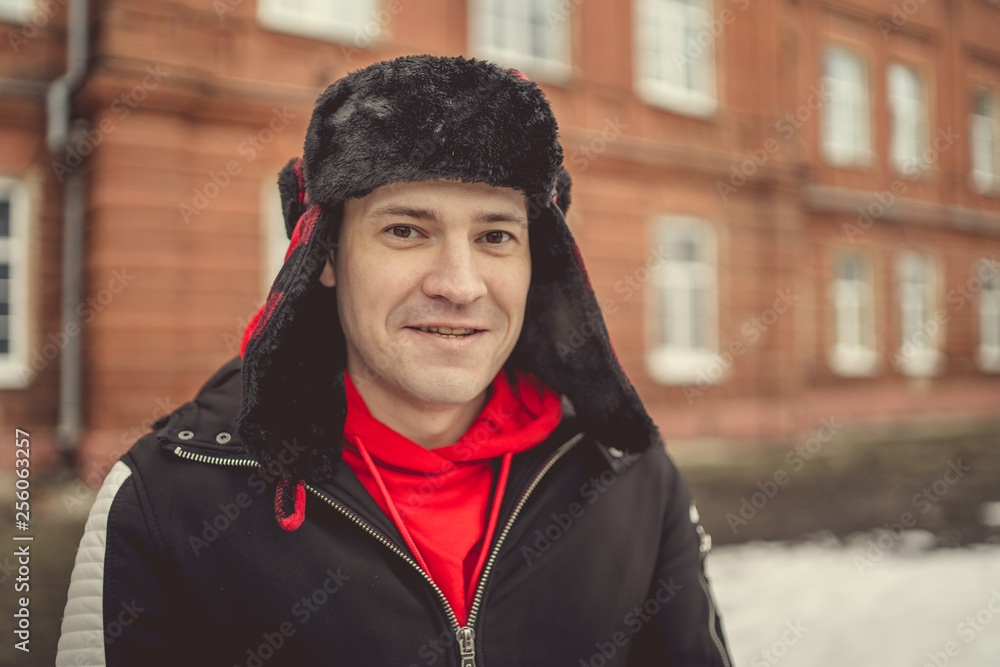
x: 419, y: 459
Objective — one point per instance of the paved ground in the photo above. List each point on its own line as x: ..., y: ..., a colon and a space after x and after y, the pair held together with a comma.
x: 878, y: 600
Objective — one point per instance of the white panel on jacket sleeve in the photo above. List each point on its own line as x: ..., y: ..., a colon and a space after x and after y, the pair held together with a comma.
x: 81, y: 643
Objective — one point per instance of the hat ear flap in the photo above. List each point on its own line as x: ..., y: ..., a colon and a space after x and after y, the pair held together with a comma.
x: 294, y: 350
x: 565, y: 341
x: 563, y: 186
x: 292, y: 188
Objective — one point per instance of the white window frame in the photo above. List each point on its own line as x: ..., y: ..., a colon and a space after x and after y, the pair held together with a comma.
x: 16, y: 11
x: 983, y: 143
x: 689, y: 47
x: 846, y: 137
x: 909, y: 125
x: 920, y: 330
x: 14, y: 370
x: 346, y: 21
x: 690, y: 361
x: 988, y: 352
x: 853, y: 352
x: 513, y: 20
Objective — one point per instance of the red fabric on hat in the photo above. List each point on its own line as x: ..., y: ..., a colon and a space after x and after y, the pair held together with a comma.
x: 444, y: 495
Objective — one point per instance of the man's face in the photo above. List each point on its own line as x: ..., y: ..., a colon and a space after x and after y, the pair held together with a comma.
x: 432, y: 279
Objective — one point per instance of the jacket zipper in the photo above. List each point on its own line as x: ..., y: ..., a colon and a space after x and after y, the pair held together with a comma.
x: 465, y: 635
x: 704, y: 546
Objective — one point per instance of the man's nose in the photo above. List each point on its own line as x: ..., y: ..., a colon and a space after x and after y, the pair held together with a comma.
x: 455, y: 273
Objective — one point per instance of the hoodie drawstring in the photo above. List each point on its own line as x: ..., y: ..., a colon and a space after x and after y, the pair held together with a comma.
x: 411, y: 543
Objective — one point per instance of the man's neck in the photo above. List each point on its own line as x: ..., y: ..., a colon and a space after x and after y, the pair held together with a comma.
x: 430, y: 425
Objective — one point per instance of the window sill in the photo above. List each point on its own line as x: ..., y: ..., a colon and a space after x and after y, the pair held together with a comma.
x: 862, y: 162
x: 987, y: 190
x: 686, y: 103
x: 988, y: 359
x: 15, y: 16
x: 674, y: 367
x: 342, y: 33
x: 14, y: 375
x: 854, y: 362
x: 922, y: 363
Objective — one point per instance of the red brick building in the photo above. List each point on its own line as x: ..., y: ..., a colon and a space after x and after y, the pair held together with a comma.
x: 790, y: 209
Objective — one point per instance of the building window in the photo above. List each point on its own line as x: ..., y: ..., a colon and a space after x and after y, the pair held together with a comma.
x: 675, y: 55
x: 348, y: 21
x: 983, y: 140
x: 13, y: 285
x: 16, y: 11
x: 846, y: 126
x: 682, y: 303
x: 920, y: 325
x: 908, y: 109
x: 530, y: 35
x: 853, y: 296
x: 989, y: 316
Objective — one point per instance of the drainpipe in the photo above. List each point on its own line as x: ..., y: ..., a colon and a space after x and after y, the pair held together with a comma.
x: 59, y: 106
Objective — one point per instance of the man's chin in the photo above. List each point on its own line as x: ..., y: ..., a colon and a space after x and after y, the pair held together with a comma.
x: 437, y: 386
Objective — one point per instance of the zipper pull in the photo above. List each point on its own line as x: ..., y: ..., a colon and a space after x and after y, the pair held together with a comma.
x: 466, y: 646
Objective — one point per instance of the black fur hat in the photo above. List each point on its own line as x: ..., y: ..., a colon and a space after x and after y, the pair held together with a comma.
x: 411, y: 119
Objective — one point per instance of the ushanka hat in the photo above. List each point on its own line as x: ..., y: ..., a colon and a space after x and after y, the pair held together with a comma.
x: 412, y: 119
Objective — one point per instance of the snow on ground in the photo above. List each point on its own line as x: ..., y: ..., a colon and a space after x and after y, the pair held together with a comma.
x: 867, y: 602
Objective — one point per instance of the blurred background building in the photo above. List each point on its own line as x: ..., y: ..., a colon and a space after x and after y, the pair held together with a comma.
x: 790, y: 209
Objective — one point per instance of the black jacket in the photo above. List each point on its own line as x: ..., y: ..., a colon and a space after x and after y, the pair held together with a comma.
x: 598, y: 559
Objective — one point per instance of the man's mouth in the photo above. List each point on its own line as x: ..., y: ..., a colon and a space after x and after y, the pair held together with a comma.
x: 448, y: 332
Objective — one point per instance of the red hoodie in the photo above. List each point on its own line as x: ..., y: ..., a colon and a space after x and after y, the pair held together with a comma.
x: 442, y: 500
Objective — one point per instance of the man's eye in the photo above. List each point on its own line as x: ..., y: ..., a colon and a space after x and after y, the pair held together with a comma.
x: 402, y: 231
x: 496, y: 237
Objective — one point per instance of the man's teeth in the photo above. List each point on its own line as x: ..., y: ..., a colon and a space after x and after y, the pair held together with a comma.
x: 448, y: 331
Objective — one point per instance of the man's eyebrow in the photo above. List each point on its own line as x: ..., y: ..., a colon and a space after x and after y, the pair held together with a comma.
x: 417, y: 213
x: 488, y: 217
x: 405, y: 211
